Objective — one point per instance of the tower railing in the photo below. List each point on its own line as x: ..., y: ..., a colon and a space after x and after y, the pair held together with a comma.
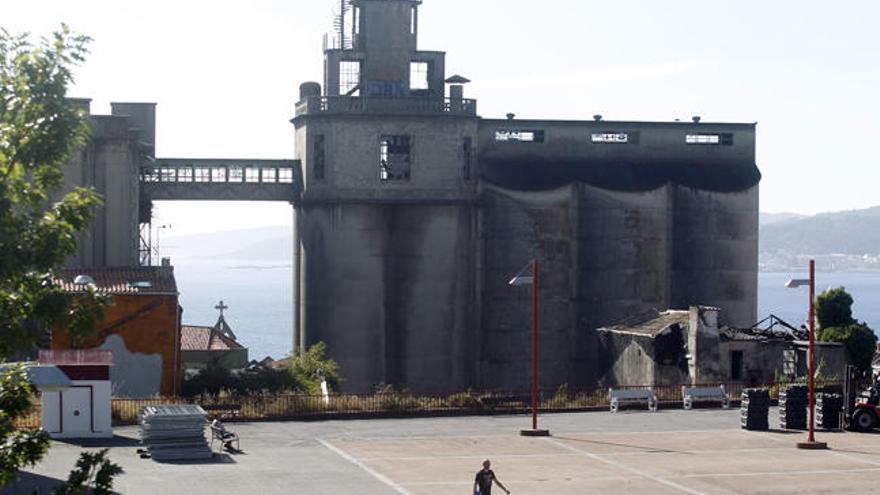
x: 408, y: 106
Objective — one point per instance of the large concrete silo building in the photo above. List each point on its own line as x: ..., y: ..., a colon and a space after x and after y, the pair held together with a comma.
x: 415, y: 212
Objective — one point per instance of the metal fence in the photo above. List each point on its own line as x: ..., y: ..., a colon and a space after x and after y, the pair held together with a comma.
x: 406, y: 404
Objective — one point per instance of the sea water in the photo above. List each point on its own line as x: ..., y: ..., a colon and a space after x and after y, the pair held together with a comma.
x: 260, y: 300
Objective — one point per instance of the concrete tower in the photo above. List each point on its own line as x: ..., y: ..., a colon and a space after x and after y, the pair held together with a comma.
x: 387, y: 223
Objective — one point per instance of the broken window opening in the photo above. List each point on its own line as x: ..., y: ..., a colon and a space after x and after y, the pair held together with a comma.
x: 169, y: 174
x: 526, y: 136
x: 413, y: 20
x: 285, y: 175
x: 203, y: 174
x: 218, y: 174
x: 418, y: 76
x: 356, y: 20
x: 725, y: 139
x: 736, y: 365
x: 236, y: 174
x: 150, y: 174
x: 349, y: 77
x: 185, y: 174
x: 467, y: 151
x: 318, y: 163
x: 610, y: 137
x: 394, y: 158
x: 251, y: 175
x: 269, y: 175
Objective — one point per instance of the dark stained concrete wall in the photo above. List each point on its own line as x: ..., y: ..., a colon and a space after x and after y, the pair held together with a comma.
x: 108, y: 162
x: 390, y: 289
x: 716, y: 253
x: 516, y: 227
x: 605, y: 256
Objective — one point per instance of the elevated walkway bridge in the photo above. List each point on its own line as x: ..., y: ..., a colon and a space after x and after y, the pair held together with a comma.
x: 187, y: 179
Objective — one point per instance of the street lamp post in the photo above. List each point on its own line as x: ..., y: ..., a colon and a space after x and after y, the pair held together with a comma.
x: 811, y: 442
x: 522, y: 278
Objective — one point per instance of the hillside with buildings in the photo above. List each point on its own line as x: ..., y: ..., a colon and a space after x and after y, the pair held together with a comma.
x: 847, y: 240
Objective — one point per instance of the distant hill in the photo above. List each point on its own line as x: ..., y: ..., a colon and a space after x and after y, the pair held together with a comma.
x: 840, y: 240
x: 855, y: 232
x: 846, y: 240
x: 771, y: 218
x: 271, y: 244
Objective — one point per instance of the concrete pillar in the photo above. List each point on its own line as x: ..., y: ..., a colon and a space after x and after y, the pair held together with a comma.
x: 703, y: 345
x: 298, y: 334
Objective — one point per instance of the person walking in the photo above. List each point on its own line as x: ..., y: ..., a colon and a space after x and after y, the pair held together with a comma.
x: 485, y: 478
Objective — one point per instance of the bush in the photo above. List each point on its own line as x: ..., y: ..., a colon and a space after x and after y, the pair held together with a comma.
x: 465, y: 400
x: 859, y: 339
x: 216, y: 379
x: 834, y: 308
x: 308, y: 368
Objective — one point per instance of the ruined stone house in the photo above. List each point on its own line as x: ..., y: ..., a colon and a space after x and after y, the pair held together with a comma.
x: 692, y: 346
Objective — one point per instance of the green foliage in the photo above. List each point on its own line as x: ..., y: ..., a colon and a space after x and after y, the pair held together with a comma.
x: 209, y: 381
x: 216, y: 379
x: 308, y: 367
x: 93, y: 475
x: 265, y: 381
x: 18, y: 449
x: 834, y: 308
x: 465, y: 400
x: 859, y: 339
x: 39, y: 131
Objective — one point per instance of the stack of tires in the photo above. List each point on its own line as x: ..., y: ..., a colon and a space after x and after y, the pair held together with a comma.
x: 755, y: 409
x: 828, y: 407
x: 793, y: 407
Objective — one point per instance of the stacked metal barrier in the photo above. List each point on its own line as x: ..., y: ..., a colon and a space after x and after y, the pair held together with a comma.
x: 174, y: 432
x: 793, y: 407
x: 828, y: 408
x: 755, y: 407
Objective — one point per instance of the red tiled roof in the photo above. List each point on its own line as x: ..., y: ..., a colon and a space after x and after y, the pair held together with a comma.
x: 195, y: 338
x: 123, y: 281
x: 77, y: 357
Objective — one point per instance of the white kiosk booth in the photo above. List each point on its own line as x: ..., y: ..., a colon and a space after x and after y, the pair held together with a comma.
x: 82, y: 408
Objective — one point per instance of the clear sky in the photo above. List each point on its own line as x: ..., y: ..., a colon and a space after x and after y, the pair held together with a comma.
x: 225, y: 75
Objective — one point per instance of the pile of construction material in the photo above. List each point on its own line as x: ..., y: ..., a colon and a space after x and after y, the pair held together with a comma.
x: 174, y: 433
x: 828, y: 408
x: 793, y: 404
x: 755, y: 409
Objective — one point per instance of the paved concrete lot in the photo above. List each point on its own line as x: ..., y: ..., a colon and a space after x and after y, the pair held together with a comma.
x: 693, y: 452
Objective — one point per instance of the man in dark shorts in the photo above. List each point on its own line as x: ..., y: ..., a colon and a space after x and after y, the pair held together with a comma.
x: 485, y: 478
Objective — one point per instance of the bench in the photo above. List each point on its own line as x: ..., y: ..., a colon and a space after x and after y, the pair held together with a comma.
x: 222, y: 411
x: 690, y: 395
x: 632, y: 396
x: 225, y: 437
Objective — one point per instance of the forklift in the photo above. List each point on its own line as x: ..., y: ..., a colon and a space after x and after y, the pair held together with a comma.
x: 863, y: 411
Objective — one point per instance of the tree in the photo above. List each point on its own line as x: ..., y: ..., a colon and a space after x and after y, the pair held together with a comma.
x: 834, y: 308
x: 836, y: 323
x: 92, y: 469
x: 18, y: 449
x: 39, y: 131
x: 308, y: 367
x: 859, y: 339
